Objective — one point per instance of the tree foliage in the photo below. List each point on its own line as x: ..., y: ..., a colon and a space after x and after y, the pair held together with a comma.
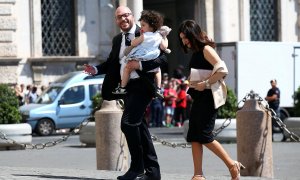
x: 96, y: 102
x: 228, y: 110
x: 9, y: 106
x: 297, y: 103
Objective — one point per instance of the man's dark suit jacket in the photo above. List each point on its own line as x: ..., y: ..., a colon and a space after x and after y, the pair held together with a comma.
x: 111, y: 67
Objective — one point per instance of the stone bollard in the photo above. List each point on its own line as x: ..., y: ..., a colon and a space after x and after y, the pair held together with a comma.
x: 111, y: 146
x: 254, y: 140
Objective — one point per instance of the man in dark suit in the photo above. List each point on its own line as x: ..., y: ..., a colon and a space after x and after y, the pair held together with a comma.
x: 140, y: 91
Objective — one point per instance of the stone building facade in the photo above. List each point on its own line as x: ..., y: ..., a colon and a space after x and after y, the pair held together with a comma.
x: 35, y: 49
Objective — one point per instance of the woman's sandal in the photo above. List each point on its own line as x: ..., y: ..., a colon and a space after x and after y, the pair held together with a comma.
x: 198, y: 177
x: 235, y: 170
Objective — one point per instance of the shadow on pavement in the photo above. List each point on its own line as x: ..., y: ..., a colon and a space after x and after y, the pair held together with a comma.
x: 56, y: 177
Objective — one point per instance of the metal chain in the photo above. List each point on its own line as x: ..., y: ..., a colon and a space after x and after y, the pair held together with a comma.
x: 225, y: 124
x: 252, y: 95
x: 188, y: 145
x: 170, y: 144
x: 282, y: 126
x: 274, y: 116
x: 50, y: 143
x: 77, y: 129
x: 264, y: 105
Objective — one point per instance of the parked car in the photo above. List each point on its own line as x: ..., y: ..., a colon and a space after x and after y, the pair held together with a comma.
x: 64, y: 104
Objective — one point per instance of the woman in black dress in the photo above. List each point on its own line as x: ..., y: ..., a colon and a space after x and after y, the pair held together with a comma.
x: 210, y: 74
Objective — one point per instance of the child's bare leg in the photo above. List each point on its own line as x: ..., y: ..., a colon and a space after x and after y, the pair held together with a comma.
x: 158, y: 79
x: 125, y: 77
x: 126, y: 73
x: 158, y: 93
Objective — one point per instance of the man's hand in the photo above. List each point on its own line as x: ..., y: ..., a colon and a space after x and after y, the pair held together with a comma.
x: 89, y: 69
x: 133, y: 64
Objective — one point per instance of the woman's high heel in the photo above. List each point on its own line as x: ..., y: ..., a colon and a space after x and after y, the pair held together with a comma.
x: 198, y: 177
x: 235, y: 170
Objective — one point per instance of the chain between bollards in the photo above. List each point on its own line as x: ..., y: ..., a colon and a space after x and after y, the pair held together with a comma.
x: 40, y: 146
x: 225, y: 124
x: 264, y: 104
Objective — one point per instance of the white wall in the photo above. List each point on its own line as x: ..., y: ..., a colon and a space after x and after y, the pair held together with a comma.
x: 259, y: 62
x: 289, y: 30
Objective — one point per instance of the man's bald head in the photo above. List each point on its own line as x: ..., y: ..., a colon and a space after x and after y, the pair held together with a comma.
x: 124, y: 18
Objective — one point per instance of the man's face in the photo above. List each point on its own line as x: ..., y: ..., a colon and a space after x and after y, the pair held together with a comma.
x: 273, y: 84
x: 124, y: 18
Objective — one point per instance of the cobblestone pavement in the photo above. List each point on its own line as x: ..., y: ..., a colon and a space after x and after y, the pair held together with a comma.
x: 73, y: 161
x: 26, y: 173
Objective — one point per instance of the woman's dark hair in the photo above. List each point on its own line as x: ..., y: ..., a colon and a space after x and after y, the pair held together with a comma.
x: 153, y: 18
x: 195, y: 35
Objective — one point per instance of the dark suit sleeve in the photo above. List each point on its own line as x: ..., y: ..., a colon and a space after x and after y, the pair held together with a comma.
x: 152, y: 64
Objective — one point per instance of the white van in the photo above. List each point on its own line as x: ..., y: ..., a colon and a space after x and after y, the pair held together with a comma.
x: 64, y: 104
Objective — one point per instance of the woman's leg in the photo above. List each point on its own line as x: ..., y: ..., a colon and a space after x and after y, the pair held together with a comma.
x: 197, y: 151
x: 233, y: 166
x: 217, y: 149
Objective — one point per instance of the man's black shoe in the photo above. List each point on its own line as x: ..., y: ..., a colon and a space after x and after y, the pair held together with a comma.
x: 130, y: 175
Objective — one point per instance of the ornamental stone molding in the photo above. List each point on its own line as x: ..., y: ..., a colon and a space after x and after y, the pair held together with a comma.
x: 5, y: 10
x: 6, y: 36
x: 8, y: 70
x: 46, y: 68
x: 8, y: 50
x: 8, y: 23
x: 8, y: 26
x: 7, y: 1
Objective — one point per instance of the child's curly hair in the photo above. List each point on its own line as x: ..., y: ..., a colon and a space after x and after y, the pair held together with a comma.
x: 153, y: 18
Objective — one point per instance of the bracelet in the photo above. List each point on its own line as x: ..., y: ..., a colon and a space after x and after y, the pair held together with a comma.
x: 207, y: 85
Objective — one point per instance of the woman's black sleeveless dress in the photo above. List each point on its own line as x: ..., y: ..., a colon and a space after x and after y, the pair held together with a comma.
x: 203, y: 113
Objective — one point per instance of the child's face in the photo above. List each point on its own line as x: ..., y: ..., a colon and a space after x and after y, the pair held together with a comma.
x: 145, y: 27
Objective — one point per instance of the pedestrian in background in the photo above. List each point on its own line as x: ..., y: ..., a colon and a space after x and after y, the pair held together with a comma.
x: 27, y: 93
x: 32, y: 97
x: 165, y: 80
x: 180, y: 110
x: 204, y: 108
x: 157, y: 111
x: 170, y: 96
x: 273, y: 99
x: 140, y: 91
x: 19, y: 94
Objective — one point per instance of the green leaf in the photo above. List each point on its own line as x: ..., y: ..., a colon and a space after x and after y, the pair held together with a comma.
x: 228, y: 110
x: 9, y: 106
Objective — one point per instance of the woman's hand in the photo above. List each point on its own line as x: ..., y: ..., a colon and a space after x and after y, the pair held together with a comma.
x: 199, y: 86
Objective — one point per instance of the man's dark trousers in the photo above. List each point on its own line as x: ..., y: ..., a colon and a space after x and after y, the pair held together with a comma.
x: 133, y: 125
